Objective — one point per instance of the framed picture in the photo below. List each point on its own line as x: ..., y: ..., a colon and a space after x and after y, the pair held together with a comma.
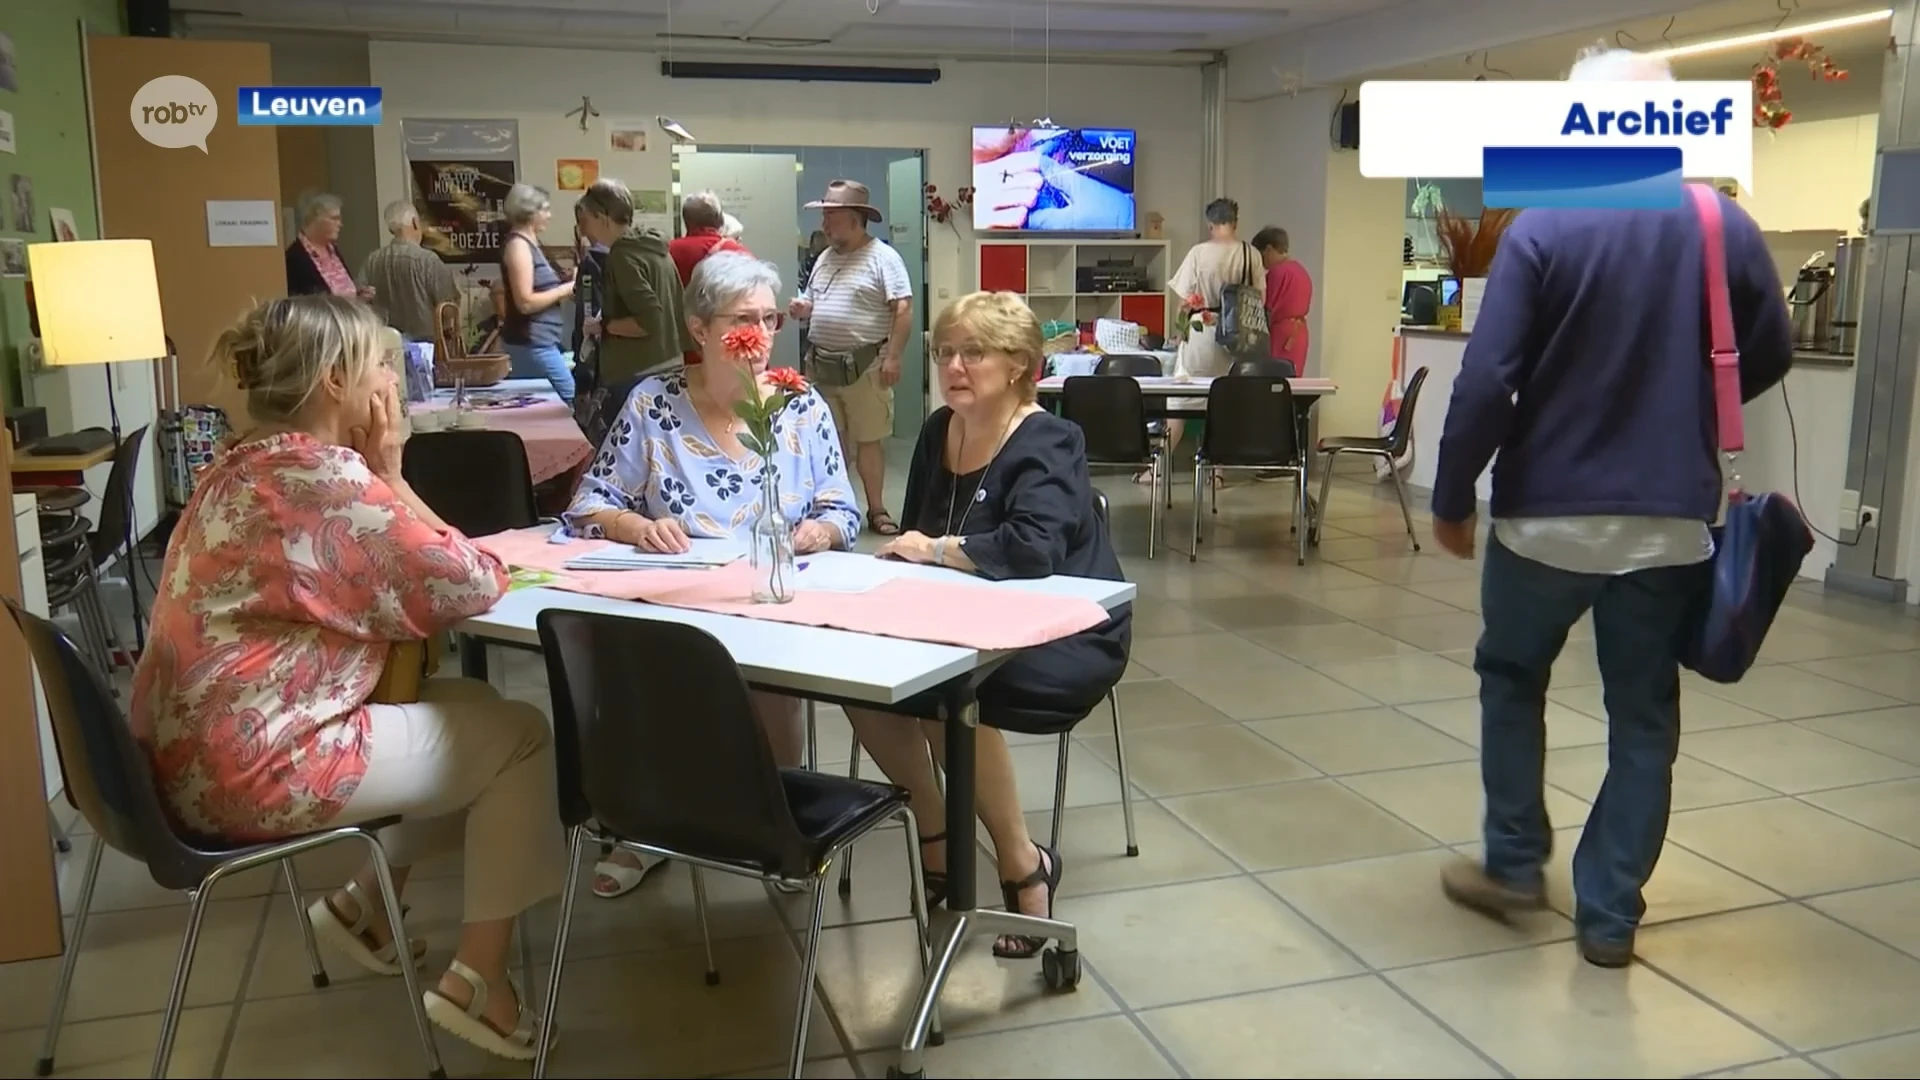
x: 64, y: 229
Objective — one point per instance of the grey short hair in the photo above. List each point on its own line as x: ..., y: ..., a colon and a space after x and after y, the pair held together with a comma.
x: 399, y: 215
x: 524, y: 201
x: 610, y: 199
x: 722, y: 278
x: 317, y: 205
x: 702, y: 210
x: 1604, y: 63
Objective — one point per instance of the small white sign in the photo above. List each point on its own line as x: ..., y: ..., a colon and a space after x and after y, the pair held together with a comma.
x: 6, y: 132
x: 242, y: 223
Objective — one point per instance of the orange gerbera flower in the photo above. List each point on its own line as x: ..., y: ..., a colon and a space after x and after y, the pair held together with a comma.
x: 788, y: 379
x: 749, y: 342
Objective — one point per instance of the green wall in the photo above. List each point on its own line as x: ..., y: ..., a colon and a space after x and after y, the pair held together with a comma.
x: 50, y: 138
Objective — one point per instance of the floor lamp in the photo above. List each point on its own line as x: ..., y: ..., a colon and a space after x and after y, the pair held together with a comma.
x: 99, y: 303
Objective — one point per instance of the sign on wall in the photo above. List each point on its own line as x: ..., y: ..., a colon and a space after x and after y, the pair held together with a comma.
x: 459, y: 173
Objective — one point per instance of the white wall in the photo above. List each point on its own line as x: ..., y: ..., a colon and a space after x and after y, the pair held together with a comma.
x: 1813, y: 174
x: 1822, y: 402
x: 1277, y: 155
x: 538, y: 86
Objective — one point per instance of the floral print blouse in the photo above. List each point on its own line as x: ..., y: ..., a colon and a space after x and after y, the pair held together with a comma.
x: 659, y: 460
x: 292, y: 570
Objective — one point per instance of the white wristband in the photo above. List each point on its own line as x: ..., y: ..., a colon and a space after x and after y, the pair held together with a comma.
x: 940, y: 551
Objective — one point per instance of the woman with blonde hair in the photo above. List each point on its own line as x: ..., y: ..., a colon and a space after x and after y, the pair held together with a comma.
x: 999, y: 487
x: 300, y: 560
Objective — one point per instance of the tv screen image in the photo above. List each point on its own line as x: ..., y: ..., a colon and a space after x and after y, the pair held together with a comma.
x: 1053, y: 179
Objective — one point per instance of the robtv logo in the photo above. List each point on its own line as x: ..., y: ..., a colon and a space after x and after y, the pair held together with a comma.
x: 309, y: 106
x: 174, y: 111
x: 1624, y: 145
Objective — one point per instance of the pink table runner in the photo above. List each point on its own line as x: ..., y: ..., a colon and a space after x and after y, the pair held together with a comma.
x: 554, y: 442
x: 946, y: 613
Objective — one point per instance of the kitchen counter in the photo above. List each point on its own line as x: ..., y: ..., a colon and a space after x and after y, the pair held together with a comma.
x: 1821, y: 359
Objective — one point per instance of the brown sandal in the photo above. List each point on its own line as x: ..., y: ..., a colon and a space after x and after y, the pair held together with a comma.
x: 882, y: 523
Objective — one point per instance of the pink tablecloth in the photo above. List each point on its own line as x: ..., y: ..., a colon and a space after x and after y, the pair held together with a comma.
x: 554, y: 442
x: 948, y: 613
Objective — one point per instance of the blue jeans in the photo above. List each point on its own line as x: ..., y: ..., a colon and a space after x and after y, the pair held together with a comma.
x: 543, y: 362
x: 1637, y: 618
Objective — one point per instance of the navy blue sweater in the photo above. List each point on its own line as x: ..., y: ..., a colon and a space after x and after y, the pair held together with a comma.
x: 1588, y: 368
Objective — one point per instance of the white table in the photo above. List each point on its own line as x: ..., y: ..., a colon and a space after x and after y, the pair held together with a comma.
x: 849, y: 668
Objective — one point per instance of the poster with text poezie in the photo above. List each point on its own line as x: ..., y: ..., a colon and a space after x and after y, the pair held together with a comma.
x: 462, y: 207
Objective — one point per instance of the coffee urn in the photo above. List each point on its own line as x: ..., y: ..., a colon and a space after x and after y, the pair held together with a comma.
x: 1811, y: 302
x: 1848, y: 293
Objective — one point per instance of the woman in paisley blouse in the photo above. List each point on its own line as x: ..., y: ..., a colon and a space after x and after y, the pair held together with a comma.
x: 300, y: 559
x: 673, y: 468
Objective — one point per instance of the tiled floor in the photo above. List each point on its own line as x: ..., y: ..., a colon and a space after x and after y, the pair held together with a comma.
x: 1303, y: 745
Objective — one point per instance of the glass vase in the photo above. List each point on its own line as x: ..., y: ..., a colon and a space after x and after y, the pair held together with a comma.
x: 772, y: 546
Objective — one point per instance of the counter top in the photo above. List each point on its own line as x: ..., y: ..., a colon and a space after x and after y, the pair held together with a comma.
x: 1820, y: 359
x: 1435, y: 331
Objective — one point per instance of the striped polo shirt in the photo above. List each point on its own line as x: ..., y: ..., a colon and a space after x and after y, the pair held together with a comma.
x: 852, y: 294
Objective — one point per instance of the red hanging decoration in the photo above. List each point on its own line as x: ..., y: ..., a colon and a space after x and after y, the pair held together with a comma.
x: 1769, y: 101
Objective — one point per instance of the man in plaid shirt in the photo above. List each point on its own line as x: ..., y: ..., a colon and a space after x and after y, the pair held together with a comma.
x: 408, y: 281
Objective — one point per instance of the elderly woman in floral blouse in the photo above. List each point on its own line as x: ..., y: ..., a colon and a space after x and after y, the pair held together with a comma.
x: 673, y: 466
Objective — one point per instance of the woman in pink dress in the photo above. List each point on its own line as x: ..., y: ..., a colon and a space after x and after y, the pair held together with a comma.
x: 301, y: 559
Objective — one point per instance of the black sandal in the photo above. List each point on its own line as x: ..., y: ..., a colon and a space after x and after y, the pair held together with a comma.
x: 935, y: 880
x: 882, y: 523
x: 1020, y: 946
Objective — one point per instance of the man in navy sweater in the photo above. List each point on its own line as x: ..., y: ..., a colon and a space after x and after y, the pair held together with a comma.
x: 1588, y: 374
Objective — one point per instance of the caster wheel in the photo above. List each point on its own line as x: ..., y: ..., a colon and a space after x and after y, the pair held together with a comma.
x: 1416, y: 548
x: 893, y: 1071
x: 1061, y: 968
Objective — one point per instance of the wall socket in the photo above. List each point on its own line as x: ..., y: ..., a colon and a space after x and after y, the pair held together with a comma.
x: 1869, y: 517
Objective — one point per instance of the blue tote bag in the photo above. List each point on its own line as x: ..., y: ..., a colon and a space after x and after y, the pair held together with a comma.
x: 1758, y: 549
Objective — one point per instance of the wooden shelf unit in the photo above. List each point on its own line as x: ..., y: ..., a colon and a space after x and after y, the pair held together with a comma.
x: 1045, y: 272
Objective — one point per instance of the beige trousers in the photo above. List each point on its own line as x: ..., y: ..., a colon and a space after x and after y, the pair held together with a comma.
x: 464, y: 760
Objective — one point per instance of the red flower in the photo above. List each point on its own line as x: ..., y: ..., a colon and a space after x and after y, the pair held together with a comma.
x: 1195, y: 302
x: 749, y: 342
x: 787, y: 379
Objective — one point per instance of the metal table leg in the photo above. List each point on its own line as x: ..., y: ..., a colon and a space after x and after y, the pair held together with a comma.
x: 473, y: 657
x: 965, y: 920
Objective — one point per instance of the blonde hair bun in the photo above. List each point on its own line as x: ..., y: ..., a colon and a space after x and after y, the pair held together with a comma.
x: 282, y: 351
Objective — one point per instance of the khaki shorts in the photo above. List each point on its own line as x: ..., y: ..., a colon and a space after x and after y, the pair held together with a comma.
x: 862, y: 411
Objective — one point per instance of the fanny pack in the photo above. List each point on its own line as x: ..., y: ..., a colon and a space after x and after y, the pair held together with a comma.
x: 827, y: 368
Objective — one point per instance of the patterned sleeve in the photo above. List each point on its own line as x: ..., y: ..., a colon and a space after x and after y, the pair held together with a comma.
x: 377, y: 572
x: 617, y: 479
x: 832, y: 502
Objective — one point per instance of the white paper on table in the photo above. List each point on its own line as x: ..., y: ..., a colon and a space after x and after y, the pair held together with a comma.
x: 844, y: 574
x: 699, y: 553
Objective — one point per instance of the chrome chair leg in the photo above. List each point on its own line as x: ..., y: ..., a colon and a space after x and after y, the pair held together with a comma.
x: 1400, y: 489
x: 1326, y: 482
x: 319, y: 969
x: 1153, y: 501
x: 82, y: 910
x: 846, y: 857
x: 409, y: 972
x: 1302, y: 516
x: 809, y: 966
x: 1126, y: 782
x: 813, y: 741
x: 576, y: 852
x: 182, y: 971
x: 1200, y: 475
x: 523, y: 930
x: 706, y: 931
x: 1060, y: 789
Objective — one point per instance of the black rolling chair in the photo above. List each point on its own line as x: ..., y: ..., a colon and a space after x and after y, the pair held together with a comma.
x: 1112, y: 415
x: 1251, y: 426
x: 1389, y: 448
x: 680, y: 769
x: 109, y: 781
x: 479, y: 481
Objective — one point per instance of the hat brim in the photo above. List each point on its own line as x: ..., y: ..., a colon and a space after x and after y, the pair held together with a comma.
x: 871, y: 213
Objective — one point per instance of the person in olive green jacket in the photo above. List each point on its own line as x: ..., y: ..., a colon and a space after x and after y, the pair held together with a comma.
x: 643, y: 321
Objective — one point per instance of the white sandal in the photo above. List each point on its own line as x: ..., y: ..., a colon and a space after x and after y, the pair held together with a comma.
x: 625, y: 878
x: 349, y: 939
x: 470, y: 1025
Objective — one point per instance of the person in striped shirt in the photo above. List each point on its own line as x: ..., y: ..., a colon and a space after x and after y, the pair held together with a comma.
x: 408, y: 281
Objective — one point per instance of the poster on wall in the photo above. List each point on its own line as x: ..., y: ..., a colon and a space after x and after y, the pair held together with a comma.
x: 627, y: 136
x: 653, y: 209
x: 6, y: 132
x: 65, y: 231
x: 8, y: 79
x: 459, y: 173
x: 575, y: 174
x: 13, y: 258
x: 24, y: 218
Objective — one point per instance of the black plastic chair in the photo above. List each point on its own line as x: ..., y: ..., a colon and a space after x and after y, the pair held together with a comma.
x: 678, y: 767
x: 109, y: 781
x: 479, y: 481
x: 1263, y: 365
x: 1142, y: 366
x: 1388, y: 447
x: 1112, y: 414
x: 1251, y: 426
x: 60, y: 513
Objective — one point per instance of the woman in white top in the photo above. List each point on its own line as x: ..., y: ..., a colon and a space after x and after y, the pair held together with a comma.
x: 1222, y: 259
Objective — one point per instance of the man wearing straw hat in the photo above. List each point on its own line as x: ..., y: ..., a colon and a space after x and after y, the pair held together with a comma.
x: 858, y: 306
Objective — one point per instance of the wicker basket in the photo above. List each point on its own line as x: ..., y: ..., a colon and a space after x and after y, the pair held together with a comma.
x: 483, y: 370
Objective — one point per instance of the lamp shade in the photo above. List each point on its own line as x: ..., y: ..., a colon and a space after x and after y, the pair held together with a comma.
x: 98, y: 301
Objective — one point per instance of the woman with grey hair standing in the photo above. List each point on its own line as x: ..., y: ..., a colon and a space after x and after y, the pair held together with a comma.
x: 673, y: 468
x: 314, y: 265
x: 535, y: 290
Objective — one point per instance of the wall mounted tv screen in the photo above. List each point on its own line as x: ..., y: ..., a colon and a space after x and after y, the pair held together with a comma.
x: 1069, y: 180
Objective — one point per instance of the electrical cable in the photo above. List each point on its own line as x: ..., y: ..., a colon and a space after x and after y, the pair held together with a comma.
x: 1793, y: 436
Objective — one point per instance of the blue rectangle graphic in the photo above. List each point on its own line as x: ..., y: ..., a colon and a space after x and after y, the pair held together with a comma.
x: 309, y: 106
x: 1581, y: 177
